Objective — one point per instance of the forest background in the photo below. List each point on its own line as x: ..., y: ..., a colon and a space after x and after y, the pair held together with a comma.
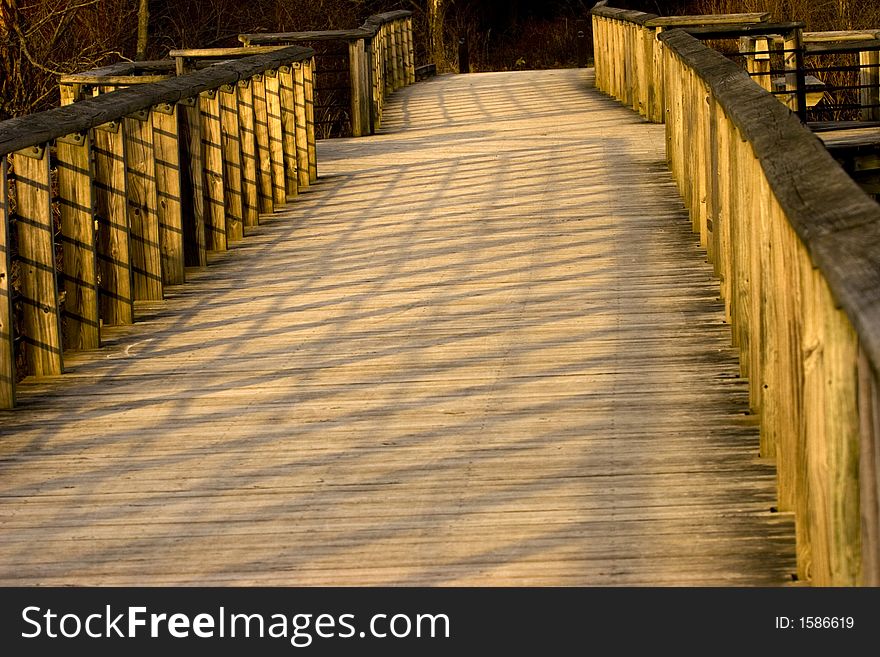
x: 42, y: 39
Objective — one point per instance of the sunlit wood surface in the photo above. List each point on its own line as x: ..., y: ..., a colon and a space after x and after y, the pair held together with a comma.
x: 485, y: 348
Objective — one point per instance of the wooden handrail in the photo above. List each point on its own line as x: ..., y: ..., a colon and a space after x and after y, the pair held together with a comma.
x: 148, y: 180
x: 796, y: 246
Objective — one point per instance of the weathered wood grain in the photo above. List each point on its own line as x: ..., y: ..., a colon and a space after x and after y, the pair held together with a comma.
x: 446, y: 364
x: 167, y: 138
x: 114, y: 252
x: 7, y: 337
x: 36, y: 255
x: 76, y: 200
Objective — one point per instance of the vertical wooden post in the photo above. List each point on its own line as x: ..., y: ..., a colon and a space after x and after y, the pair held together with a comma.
x: 869, y: 470
x: 166, y: 145
x: 212, y: 163
x: 399, y: 71
x: 376, y: 80
x: 7, y: 342
x: 309, y: 83
x: 832, y: 438
x: 288, y: 123
x: 761, y: 62
x: 193, y: 209
x: 410, y: 53
x: 264, y: 160
x: 249, y: 193
x: 230, y: 137
x: 795, y: 83
x: 69, y: 92
x: 869, y: 78
x: 36, y: 252
x: 301, y: 116
x: 358, y: 95
x: 143, y: 218
x: 276, y: 137
x: 76, y: 200
x: 114, y: 256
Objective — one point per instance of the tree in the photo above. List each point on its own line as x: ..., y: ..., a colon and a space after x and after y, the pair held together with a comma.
x: 143, y: 29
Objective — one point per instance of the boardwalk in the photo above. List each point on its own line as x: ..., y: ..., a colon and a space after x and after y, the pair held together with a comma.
x: 483, y: 349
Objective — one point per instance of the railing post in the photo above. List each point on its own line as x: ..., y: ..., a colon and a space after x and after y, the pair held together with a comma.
x: 36, y: 251
x: 869, y: 79
x: 140, y: 171
x: 166, y: 147
x: 77, y: 204
x: 410, y: 53
x: 7, y: 342
x: 288, y: 123
x: 264, y: 160
x: 250, y: 199
x: 309, y: 83
x: 356, y: 57
x: 795, y: 77
x: 114, y: 254
x: 230, y: 132
x: 194, y: 212
x: 301, y: 116
x: 276, y: 137
x: 212, y: 163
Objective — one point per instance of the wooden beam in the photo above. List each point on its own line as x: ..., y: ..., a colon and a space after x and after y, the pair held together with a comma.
x: 288, y: 124
x: 264, y: 158
x: 76, y: 200
x: 166, y: 148
x: 114, y: 255
x: 249, y: 180
x: 232, y: 169
x: 36, y: 257
x: 276, y: 137
x: 143, y: 217
x: 7, y: 335
x: 212, y: 164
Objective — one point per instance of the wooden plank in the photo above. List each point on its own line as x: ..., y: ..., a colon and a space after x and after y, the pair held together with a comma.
x: 359, y: 100
x: 302, y: 130
x: 869, y: 77
x: 308, y: 69
x: 249, y: 177
x: 230, y: 132
x: 276, y: 137
x: 76, y: 200
x: 194, y: 209
x: 143, y: 216
x: 288, y: 124
x: 212, y: 166
x: 166, y: 146
x: 869, y: 471
x: 264, y: 157
x: 7, y: 336
x: 36, y: 254
x: 709, y: 19
x: 114, y: 243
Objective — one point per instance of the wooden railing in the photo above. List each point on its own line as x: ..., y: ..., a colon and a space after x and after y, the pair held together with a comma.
x: 796, y: 246
x: 106, y: 200
x: 380, y: 59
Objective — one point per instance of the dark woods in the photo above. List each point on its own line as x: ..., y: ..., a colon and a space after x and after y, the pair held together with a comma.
x: 41, y: 39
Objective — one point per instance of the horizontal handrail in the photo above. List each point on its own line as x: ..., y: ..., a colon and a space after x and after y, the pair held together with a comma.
x: 34, y: 129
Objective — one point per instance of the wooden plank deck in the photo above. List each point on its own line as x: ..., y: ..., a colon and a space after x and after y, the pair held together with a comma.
x: 483, y: 349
